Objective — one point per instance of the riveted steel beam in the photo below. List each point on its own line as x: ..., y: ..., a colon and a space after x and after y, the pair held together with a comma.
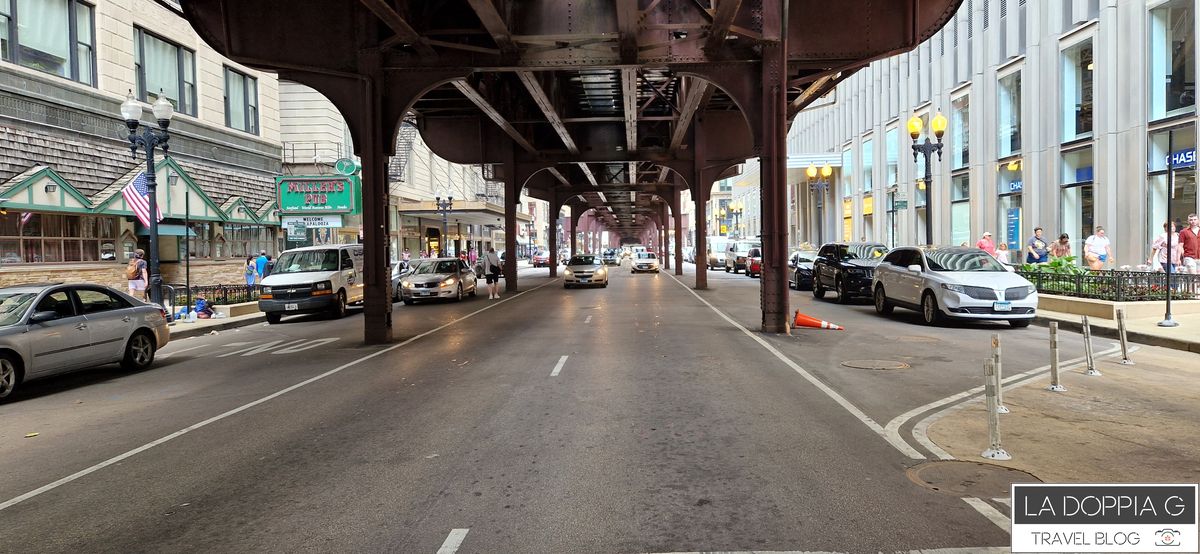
x: 697, y: 92
x: 491, y: 20
x: 486, y: 107
x: 722, y: 20
x: 404, y: 32
x: 547, y: 106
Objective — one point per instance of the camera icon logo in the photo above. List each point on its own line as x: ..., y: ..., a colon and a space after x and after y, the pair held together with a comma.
x: 1166, y: 537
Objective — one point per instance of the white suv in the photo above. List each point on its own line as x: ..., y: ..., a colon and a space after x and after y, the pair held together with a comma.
x: 956, y: 283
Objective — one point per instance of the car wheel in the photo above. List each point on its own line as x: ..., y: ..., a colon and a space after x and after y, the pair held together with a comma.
x: 458, y: 295
x: 840, y: 287
x: 339, y: 308
x: 882, y: 304
x: 930, y: 313
x: 408, y: 301
x: 10, y: 374
x: 474, y: 290
x: 139, y: 352
x: 818, y: 290
x: 274, y: 318
x: 726, y: 268
x: 1020, y: 323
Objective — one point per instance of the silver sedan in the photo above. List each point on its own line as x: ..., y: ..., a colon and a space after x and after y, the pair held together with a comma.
x: 52, y: 328
x: 585, y: 271
x: 437, y: 278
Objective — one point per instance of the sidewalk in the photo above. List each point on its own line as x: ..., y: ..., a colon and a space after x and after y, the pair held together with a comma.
x: 1133, y: 424
x: 1142, y: 331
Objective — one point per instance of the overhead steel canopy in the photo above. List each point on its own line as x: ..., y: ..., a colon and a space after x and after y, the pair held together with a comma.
x: 611, y: 106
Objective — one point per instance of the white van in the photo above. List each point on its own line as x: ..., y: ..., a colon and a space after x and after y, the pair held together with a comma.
x: 716, y: 250
x: 313, y: 279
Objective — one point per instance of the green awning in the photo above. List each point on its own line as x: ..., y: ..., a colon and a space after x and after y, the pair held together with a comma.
x: 166, y: 230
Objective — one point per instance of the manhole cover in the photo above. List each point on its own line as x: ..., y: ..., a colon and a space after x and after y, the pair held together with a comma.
x: 914, y: 338
x: 974, y: 479
x: 875, y: 364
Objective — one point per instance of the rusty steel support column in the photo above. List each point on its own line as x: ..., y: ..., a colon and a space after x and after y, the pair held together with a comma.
x: 377, y: 294
x: 552, y: 235
x: 677, y: 216
x: 773, y: 200
x: 512, y: 198
x: 574, y: 229
x: 701, y: 190
x: 664, y: 234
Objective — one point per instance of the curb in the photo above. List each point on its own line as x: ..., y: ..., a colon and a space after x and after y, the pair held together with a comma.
x: 1112, y: 333
x: 187, y: 332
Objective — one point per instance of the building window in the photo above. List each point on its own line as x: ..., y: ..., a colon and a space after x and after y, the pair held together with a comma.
x: 54, y: 36
x: 164, y: 68
x: 868, y: 165
x: 1183, y: 153
x: 891, y: 138
x: 248, y: 240
x: 1172, y: 59
x: 1009, y: 188
x: 27, y: 237
x: 1077, y: 68
x: 960, y: 132
x: 241, y: 101
x: 200, y: 241
x: 1009, y: 115
x: 847, y: 172
x: 960, y: 209
x: 1077, y: 196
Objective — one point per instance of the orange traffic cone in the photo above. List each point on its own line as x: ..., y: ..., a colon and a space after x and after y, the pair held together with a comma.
x: 809, y: 321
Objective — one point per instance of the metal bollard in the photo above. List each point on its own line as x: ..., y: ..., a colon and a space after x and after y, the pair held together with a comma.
x: 1124, y: 341
x: 1000, y: 407
x: 991, y: 383
x: 1055, y: 385
x: 1087, y: 348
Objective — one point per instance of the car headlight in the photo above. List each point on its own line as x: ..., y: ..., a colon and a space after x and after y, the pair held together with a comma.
x: 449, y: 281
x: 601, y: 271
x: 856, y: 271
x: 954, y: 288
x: 407, y: 284
x: 568, y: 272
x: 265, y: 290
x: 321, y: 288
x: 1030, y: 290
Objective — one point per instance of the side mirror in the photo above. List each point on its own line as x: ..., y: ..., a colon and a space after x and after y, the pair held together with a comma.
x: 43, y: 316
x: 914, y: 268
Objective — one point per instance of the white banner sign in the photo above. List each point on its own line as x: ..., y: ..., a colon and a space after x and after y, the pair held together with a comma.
x: 313, y: 221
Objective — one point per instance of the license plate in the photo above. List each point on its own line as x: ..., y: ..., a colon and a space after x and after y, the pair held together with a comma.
x: 583, y: 280
x: 424, y: 293
x: 1002, y: 306
x: 291, y: 306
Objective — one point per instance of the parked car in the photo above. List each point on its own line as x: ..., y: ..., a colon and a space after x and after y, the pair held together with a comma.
x: 585, y: 270
x: 717, y: 245
x: 754, y: 262
x: 847, y: 268
x: 438, y: 278
x: 689, y: 255
x: 644, y: 261
x: 313, y: 279
x: 801, y: 263
x: 611, y: 256
x: 957, y: 283
x: 736, y: 254
x: 541, y: 259
x: 399, y: 269
x: 51, y: 328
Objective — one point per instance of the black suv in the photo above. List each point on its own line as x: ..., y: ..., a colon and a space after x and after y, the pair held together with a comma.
x: 846, y: 268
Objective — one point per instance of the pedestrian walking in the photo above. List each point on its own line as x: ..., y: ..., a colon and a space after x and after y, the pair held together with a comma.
x: 1002, y: 254
x: 472, y: 256
x: 1097, y: 250
x: 1036, y: 250
x: 250, y: 271
x: 986, y: 244
x: 260, y: 265
x: 1189, y: 237
x: 491, y: 268
x: 137, y: 274
x: 1061, y: 248
x: 406, y: 256
x: 1158, y: 256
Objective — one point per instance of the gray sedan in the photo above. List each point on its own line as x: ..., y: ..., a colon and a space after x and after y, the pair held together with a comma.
x: 437, y: 278
x: 52, y: 328
x: 584, y: 271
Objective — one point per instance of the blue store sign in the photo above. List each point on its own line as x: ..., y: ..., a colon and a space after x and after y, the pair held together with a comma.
x: 1013, y: 227
x: 1182, y: 158
x: 1011, y: 187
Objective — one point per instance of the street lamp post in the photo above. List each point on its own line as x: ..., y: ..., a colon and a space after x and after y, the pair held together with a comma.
x: 735, y: 210
x: 444, y: 206
x: 1168, y: 321
x: 938, y: 126
x: 819, y: 185
x: 151, y: 137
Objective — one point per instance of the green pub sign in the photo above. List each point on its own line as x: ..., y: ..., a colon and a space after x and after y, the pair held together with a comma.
x: 327, y: 194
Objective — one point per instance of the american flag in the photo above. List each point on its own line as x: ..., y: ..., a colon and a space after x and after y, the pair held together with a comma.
x: 26, y: 217
x: 137, y: 196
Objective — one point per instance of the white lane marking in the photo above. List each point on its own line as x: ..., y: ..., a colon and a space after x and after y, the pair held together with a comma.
x: 989, y: 512
x: 310, y: 344
x: 180, y: 351
x: 558, y: 367
x: 587, y: 320
x: 896, y: 442
x: 115, y: 459
x: 920, y: 432
x: 453, y: 541
x: 264, y: 347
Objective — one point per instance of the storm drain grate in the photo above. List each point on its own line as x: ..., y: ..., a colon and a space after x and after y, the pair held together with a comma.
x: 875, y: 364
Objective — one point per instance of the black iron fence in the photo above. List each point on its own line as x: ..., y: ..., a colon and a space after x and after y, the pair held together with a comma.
x: 214, y: 294
x: 1118, y: 286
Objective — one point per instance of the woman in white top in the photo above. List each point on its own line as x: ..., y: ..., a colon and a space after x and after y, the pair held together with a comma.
x: 1097, y: 249
x: 1158, y: 258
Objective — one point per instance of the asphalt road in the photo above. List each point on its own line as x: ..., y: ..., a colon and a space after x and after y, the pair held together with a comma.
x: 629, y: 419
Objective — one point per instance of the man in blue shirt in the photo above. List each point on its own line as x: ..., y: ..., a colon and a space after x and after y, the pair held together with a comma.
x: 1036, y: 250
x: 261, y: 264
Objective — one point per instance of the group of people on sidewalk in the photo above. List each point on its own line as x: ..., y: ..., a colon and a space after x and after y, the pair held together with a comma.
x: 1184, y: 255
x: 256, y: 268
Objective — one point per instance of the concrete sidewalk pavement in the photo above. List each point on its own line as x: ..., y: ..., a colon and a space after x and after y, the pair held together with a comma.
x: 1133, y: 424
x: 1185, y: 337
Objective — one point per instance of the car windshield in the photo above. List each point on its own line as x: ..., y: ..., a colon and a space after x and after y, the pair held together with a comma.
x: 864, y: 252
x: 13, y: 306
x: 806, y: 256
x: 429, y: 268
x: 583, y: 260
x: 646, y: 256
x: 754, y: 253
x: 962, y: 260
x: 300, y: 261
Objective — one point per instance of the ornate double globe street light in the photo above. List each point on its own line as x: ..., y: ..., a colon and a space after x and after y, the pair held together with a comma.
x: 734, y: 210
x: 149, y: 139
x: 938, y: 126
x: 819, y: 185
x: 444, y: 205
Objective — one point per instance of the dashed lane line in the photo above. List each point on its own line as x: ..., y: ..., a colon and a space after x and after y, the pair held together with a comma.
x: 558, y: 367
x: 453, y: 541
x: 993, y: 515
x: 120, y: 457
x: 587, y: 320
